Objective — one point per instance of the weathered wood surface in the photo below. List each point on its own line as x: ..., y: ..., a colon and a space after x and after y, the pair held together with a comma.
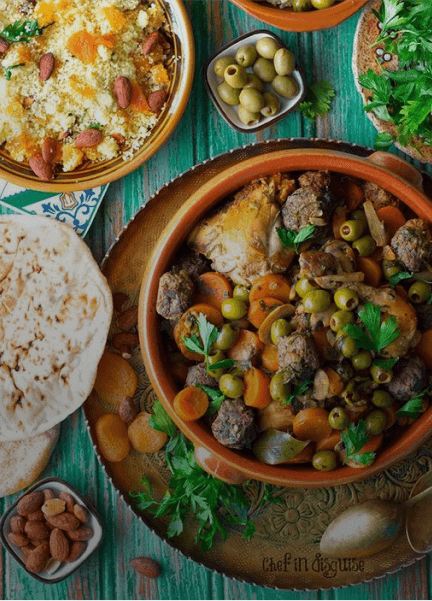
x: 201, y: 134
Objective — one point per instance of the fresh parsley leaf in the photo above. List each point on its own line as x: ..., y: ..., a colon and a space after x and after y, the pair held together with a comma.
x: 391, y: 15
x: 95, y: 126
x: 364, y: 458
x: 386, y: 364
x: 399, y: 277
x: 208, y: 334
x: 193, y: 344
x: 412, y: 408
x: 249, y: 530
x: 216, y: 397
x: 354, y: 438
x: 293, y: 239
x: 224, y: 364
x: 160, y: 420
x: 21, y: 31
x: 318, y: 100
x: 8, y: 70
x: 376, y: 335
x: 298, y: 389
x: 383, y: 141
x: 268, y: 496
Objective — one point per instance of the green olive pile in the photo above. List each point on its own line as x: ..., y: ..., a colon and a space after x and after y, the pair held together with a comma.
x: 269, y: 63
x: 303, y: 5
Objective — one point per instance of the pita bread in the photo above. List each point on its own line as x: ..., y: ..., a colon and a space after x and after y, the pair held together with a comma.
x: 22, y: 461
x: 55, y: 311
x: 364, y: 58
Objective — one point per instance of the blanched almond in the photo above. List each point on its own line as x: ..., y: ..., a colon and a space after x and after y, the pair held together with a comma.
x: 53, y: 507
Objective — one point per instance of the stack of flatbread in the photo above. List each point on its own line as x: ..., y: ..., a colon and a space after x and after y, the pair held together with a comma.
x: 55, y: 311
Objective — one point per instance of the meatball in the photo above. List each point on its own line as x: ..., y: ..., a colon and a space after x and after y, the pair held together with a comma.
x: 379, y: 197
x: 297, y: 354
x: 412, y: 244
x: 424, y: 316
x: 174, y: 294
x: 235, y: 426
x: 197, y: 374
x: 193, y: 263
x: 315, y: 180
x: 410, y: 378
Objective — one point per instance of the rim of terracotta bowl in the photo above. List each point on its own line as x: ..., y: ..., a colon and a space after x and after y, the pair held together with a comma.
x: 174, y: 235
x: 287, y: 20
x: 99, y: 174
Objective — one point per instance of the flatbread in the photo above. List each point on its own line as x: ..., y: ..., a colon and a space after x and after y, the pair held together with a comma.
x: 55, y: 311
x: 23, y: 461
x: 364, y: 58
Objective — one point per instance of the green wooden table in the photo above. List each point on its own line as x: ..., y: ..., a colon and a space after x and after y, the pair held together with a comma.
x: 201, y: 134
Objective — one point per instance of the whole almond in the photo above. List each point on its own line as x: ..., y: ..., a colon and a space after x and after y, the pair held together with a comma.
x: 64, y: 521
x: 69, y: 500
x: 77, y: 548
x: 49, y: 150
x: 36, y: 516
x: 4, y: 45
x: 156, y: 100
x: 52, y: 565
x: 53, y: 507
x: 27, y: 549
x: 120, y: 139
x: 127, y: 410
x: 19, y: 540
x: 81, y: 533
x: 30, y: 502
x: 46, y: 66
x: 48, y: 494
x: 89, y: 138
x: 146, y: 566
x: 37, y: 531
x: 81, y: 513
x: 37, y: 559
x: 123, y: 91
x: 150, y: 43
x: 17, y: 523
x: 119, y: 299
x: 40, y: 167
x: 59, y: 545
x: 128, y: 339
x: 128, y: 319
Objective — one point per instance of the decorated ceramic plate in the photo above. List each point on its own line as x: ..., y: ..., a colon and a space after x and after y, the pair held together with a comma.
x: 284, y: 552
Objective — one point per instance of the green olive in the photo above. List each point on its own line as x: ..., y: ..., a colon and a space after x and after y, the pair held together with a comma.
x: 345, y: 370
x: 267, y: 47
x: 350, y: 395
x: 365, y: 245
x: 324, y: 461
x: 228, y: 94
x: 264, y: 69
x: 231, y: 386
x: 316, y: 301
x: 303, y: 286
x: 359, y: 214
x: 376, y: 422
x: 279, y: 388
x: 222, y: 63
x: 352, y: 230
x: 361, y: 360
x: 382, y: 398
x: 279, y: 329
x: 212, y: 359
x: 419, y: 292
x: 380, y: 375
x: 246, y: 55
x: 345, y: 344
x: 338, y: 418
x: 320, y: 4
x: 346, y: 299
x: 246, y: 117
x: 271, y: 106
x: 252, y: 100
x: 340, y: 319
x: 232, y: 308
x: 285, y: 86
x: 254, y: 82
x: 226, y: 338
x: 284, y: 61
x: 241, y: 293
x: 235, y: 76
x: 301, y: 5
x: 390, y: 268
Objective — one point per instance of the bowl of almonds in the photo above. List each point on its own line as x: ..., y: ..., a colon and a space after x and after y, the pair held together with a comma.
x: 51, y: 530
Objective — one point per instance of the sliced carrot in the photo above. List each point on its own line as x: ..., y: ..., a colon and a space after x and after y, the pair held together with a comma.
x: 329, y: 443
x: 305, y: 456
x: 391, y: 416
x: 191, y: 403
x: 354, y: 194
x: 259, y: 309
x: 321, y: 341
x: 372, y: 444
x: 273, y: 286
x: 269, y: 357
x: 212, y: 288
x: 424, y: 348
x: 336, y: 384
x: 246, y: 348
x: 188, y: 326
x: 400, y: 291
x: 371, y: 269
x: 312, y: 424
x: 339, y: 217
x: 256, y: 388
x: 393, y: 219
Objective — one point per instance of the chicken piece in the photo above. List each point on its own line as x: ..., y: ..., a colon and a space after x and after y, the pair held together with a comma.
x: 378, y: 197
x: 412, y: 244
x: 241, y: 238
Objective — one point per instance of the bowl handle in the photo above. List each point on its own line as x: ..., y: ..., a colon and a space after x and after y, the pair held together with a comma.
x: 398, y: 166
x: 217, y: 468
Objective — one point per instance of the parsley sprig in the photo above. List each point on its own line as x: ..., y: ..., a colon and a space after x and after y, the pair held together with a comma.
x: 354, y: 438
x: 216, y: 398
x: 21, y: 31
x: 412, y: 408
x: 386, y: 364
x: 8, y: 70
x: 160, y: 420
x: 318, y: 100
x: 298, y: 390
x: 399, y: 277
x: 208, y: 334
x: 376, y: 335
x: 293, y: 239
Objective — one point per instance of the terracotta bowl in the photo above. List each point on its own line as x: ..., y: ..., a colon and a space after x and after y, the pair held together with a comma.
x: 391, y: 173
x: 288, y: 20
x: 92, y: 175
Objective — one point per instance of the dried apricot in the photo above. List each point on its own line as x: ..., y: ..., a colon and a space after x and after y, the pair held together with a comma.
x: 112, y: 437
x: 107, y: 40
x: 143, y: 437
x: 138, y: 101
x: 83, y: 46
x: 115, y: 17
x: 191, y: 403
x: 45, y: 13
x: 115, y: 379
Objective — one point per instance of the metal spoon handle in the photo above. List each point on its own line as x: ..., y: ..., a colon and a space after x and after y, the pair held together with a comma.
x: 421, y: 495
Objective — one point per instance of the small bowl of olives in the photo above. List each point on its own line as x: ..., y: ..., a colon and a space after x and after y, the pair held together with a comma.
x: 254, y: 81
